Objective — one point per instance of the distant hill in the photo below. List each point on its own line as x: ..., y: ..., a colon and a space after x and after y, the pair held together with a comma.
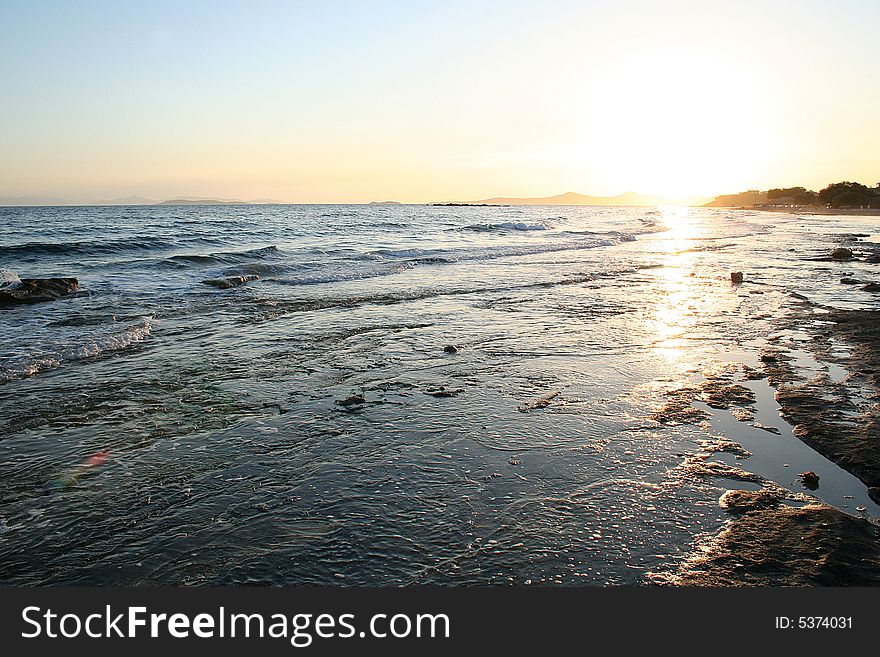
x: 743, y: 199
x: 201, y: 201
x: 573, y: 198
x: 384, y: 203
x: 128, y: 200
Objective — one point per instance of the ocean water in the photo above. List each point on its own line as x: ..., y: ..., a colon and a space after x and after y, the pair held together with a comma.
x: 305, y: 424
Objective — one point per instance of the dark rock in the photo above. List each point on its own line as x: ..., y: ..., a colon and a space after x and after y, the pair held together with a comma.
x: 841, y: 253
x: 849, y: 281
x: 872, y: 287
x: 443, y: 391
x: 36, y: 290
x: 230, y: 281
x: 810, y: 479
x: 450, y: 349
x: 768, y: 358
x: 354, y: 400
x: 742, y: 501
x: 736, y: 277
x: 814, y: 545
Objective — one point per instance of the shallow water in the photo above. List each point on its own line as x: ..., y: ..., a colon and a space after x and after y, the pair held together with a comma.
x: 231, y: 460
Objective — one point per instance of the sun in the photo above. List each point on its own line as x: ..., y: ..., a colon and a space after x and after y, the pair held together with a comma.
x: 659, y: 125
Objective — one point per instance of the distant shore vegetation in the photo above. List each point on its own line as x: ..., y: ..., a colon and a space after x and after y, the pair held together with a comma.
x: 843, y: 195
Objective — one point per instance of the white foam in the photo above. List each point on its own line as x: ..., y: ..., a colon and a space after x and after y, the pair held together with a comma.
x: 87, y: 349
x: 8, y: 279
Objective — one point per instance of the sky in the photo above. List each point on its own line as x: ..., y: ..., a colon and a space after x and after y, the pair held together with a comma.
x: 425, y: 101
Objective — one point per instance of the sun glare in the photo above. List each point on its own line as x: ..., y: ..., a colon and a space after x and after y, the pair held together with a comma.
x: 653, y: 123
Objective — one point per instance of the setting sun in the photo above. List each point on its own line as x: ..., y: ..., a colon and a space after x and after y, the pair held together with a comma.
x: 676, y: 99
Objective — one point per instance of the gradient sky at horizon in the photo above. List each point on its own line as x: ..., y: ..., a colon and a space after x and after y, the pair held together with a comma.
x: 424, y: 101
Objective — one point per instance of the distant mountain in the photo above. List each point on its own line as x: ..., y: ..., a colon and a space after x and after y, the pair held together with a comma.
x: 384, y: 203
x: 573, y: 198
x: 128, y: 200
x: 201, y: 201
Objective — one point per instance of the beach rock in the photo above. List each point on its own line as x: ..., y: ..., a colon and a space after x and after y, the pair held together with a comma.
x: 443, y: 391
x: 450, y: 349
x: 742, y: 501
x: 539, y: 402
x: 37, y: 290
x: 736, y: 277
x: 841, y: 253
x: 810, y: 479
x: 814, y: 545
x: 230, y: 281
x: 353, y: 400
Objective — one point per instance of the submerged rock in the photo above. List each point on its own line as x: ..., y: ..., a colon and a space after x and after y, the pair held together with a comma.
x: 230, y: 281
x: 742, y: 501
x: 353, y: 400
x: 841, y: 253
x: 37, y: 290
x: 540, y: 402
x: 451, y: 349
x: 736, y: 277
x: 443, y: 391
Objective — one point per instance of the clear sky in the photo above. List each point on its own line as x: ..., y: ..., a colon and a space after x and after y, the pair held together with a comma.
x: 421, y: 101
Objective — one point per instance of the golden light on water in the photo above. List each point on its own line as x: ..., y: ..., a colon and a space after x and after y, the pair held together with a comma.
x: 674, y: 311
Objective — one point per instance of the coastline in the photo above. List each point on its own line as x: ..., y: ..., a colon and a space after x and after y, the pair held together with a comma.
x: 809, y: 210
x: 772, y: 539
x: 511, y: 375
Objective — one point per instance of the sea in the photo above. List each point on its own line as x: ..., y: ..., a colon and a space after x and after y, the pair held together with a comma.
x: 396, y: 394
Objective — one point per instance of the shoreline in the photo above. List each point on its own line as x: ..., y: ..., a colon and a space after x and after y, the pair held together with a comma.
x: 807, y: 210
x: 770, y: 539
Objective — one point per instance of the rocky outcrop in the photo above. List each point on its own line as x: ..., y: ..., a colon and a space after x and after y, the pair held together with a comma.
x: 37, y: 290
x: 771, y: 545
x: 230, y: 281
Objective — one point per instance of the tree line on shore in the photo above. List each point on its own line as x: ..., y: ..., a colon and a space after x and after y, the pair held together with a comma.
x: 843, y: 194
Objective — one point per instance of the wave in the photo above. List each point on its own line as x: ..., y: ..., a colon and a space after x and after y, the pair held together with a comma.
x: 222, y: 258
x: 91, y: 347
x: 9, y: 279
x: 387, y: 262
x: 273, y: 308
x: 91, y: 247
x: 507, y: 225
x: 506, y: 251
